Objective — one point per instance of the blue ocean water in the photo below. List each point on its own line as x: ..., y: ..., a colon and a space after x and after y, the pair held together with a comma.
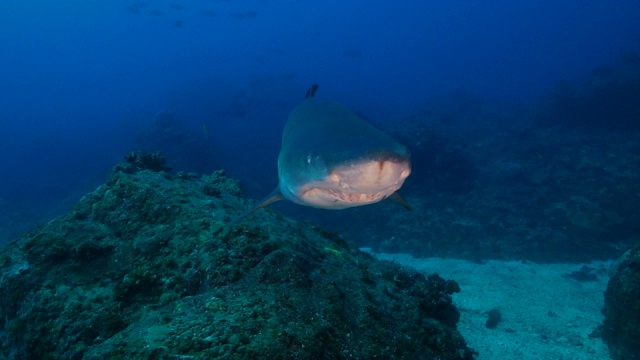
x: 522, y: 119
x: 210, y: 83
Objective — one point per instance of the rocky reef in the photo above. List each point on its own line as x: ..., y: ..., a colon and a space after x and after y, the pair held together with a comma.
x: 607, y: 100
x: 140, y: 160
x: 621, y: 327
x: 145, y: 268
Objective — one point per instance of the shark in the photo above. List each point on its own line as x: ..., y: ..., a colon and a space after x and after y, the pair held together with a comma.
x: 333, y: 159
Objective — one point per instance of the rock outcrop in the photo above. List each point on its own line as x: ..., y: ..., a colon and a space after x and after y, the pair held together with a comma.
x: 139, y: 269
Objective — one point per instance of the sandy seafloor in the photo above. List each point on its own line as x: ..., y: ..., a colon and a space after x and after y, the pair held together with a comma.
x: 545, y: 315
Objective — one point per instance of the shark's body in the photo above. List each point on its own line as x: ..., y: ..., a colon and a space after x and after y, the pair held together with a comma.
x: 332, y: 159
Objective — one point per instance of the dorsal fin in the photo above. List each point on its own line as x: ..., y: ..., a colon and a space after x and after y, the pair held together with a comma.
x: 311, y: 92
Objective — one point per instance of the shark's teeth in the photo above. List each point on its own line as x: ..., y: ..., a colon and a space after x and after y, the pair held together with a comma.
x: 353, y: 198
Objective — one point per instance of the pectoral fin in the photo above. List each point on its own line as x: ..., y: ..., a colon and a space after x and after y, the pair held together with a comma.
x: 275, y: 195
x: 397, y: 198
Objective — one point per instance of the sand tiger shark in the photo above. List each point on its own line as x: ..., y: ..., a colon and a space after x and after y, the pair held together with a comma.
x: 332, y: 159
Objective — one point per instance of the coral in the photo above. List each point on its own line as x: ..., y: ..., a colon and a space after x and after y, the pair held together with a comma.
x: 140, y: 160
x: 137, y: 271
x: 217, y: 183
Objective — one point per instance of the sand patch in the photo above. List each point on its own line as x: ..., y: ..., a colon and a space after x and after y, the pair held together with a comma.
x: 545, y: 315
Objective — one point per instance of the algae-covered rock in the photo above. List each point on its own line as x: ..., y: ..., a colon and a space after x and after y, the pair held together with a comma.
x: 140, y: 160
x: 139, y: 270
x: 621, y: 327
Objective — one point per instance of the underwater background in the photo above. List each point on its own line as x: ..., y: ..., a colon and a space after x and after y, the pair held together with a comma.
x: 522, y: 119
x: 84, y: 83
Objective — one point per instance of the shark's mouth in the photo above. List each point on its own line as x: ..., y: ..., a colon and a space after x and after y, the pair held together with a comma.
x: 355, y: 199
x: 356, y: 184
